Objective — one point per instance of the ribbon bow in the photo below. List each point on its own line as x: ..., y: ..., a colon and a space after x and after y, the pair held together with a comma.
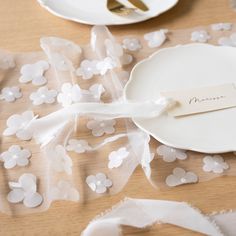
x: 45, y: 128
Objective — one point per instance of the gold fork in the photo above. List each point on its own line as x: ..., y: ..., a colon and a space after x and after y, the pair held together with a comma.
x: 118, y: 8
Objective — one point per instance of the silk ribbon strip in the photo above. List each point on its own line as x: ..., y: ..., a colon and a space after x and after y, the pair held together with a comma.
x: 142, y: 213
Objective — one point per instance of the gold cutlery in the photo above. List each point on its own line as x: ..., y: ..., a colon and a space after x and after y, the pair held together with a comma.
x: 139, y: 4
x: 118, y: 8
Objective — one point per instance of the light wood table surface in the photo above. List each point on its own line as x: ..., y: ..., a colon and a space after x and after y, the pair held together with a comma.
x: 22, y: 23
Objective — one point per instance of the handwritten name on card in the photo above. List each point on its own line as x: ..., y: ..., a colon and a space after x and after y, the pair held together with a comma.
x: 200, y: 100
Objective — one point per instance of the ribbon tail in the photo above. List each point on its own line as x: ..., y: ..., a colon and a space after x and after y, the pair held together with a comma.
x: 141, y: 213
x: 46, y: 128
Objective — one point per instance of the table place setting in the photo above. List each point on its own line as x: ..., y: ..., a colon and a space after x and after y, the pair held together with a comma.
x: 77, y: 120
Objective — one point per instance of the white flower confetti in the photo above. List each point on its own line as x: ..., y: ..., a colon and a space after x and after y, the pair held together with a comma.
x: 156, y: 39
x: 15, y: 156
x: 69, y: 94
x: 25, y: 190
x: 228, y: 41
x: 7, y: 62
x: 180, y: 176
x: 105, y: 65
x: 87, y: 69
x: 18, y: 124
x: 170, y: 154
x: 60, y: 161
x: 93, y: 94
x: 98, y: 183
x: 34, y: 72
x: 116, y: 158
x: 100, y: 127
x: 200, y: 36
x: 221, y: 26
x: 60, y: 62
x: 43, y: 95
x: 78, y: 146
x: 215, y: 164
x: 64, y: 191
x: 131, y: 44
x: 116, y: 54
x: 10, y: 94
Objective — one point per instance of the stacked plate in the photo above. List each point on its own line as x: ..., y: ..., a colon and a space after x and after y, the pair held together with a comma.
x: 96, y: 12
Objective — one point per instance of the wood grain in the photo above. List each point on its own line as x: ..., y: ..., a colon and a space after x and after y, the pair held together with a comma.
x: 22, y: 23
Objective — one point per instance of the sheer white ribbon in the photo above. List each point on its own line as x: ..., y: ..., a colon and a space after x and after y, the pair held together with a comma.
x: 51, y: 124
x: 141, y: 213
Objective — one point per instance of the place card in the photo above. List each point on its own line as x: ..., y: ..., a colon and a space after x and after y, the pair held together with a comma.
x: 200, y: 100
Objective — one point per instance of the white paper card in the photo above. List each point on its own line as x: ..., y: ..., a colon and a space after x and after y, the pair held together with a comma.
x: 200, y: 100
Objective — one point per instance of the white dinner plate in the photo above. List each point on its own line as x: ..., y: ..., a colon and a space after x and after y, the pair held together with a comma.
x: 95, y: 12
x: 185, y: 67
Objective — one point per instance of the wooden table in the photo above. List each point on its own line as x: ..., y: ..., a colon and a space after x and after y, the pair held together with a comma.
x: 22, y: 23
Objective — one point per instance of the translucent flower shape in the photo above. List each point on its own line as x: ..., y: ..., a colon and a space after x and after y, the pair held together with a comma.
x: 25, y: 190
x: 113, y: 49
x: 215, y: 164
x: 228, y: 41
x: 131, y: 44
x: 60, y: 62
x: 180, y: 176
x: 105, y: 65
x: 64, y: 191
x: 34, y: 72
x: 116, y: 158
x: 94, y: 93
x: 156, y: 39
x: 100, y: 127
x: 170, y: 154
x: 43, y: 95
x: 60, y: 161
x: 200, y: 36
x: 7, y: 62
x: 10, y: 94
x: 87, y: 69
x: 221, y: 26
x: 78, y: 146
x: 99, y: 183
x: 17, y: 124
x: 69, y: 94
x: 15, y: 156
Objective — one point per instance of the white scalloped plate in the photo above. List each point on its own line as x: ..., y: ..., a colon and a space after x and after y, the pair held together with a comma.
x: 183, y: 67
x: 95, y: 12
